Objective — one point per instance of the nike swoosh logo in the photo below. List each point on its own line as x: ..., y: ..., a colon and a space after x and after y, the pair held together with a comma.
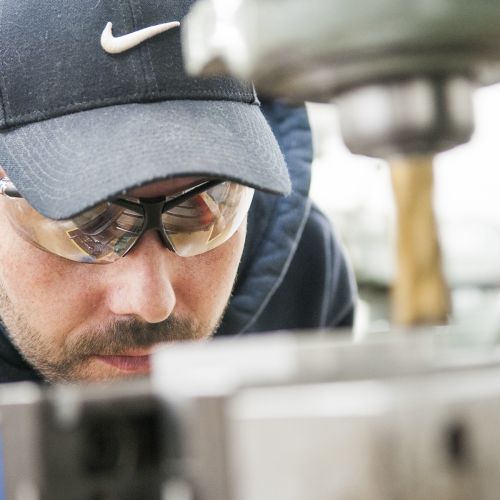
x: 116, y: 45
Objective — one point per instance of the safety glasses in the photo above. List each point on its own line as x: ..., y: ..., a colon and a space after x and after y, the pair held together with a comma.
x: 190, y: 223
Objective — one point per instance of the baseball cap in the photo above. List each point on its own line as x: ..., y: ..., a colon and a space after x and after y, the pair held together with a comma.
x: 86, y: 115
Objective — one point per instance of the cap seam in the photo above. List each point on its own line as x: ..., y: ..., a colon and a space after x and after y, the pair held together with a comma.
x: 148, y: 67
x: 116, y: 100
x: 135, y: 25
x: 133, y: 59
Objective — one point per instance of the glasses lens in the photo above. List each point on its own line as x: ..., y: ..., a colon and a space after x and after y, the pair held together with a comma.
x: 100, y: 235
x: 103, y: 234
x: 207, y: 220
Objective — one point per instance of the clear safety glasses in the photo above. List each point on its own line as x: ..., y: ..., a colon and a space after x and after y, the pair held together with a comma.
x: 190, y: 223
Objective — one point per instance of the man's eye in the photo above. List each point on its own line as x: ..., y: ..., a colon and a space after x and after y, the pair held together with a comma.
x: 195, y: 214
x: 98, y: 219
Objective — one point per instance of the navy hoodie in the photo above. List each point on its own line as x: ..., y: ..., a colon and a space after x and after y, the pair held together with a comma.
x: 293, y: 273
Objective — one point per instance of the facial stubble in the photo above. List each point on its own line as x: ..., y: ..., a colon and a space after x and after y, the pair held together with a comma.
x: 72, y: 362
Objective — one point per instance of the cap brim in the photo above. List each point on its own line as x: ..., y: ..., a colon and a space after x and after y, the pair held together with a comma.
x: 65, y: 165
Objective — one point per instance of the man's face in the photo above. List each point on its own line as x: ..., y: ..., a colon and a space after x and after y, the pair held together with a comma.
x: 77, y: 321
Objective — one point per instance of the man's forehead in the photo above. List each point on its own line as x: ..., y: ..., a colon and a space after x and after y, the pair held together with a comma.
x: 166, y: 187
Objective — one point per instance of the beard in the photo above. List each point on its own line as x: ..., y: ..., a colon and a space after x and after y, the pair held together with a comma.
x: 75, y: 360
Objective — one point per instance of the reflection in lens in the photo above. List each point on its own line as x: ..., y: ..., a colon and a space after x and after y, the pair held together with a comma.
x: 99, y: 235
x: 107, y: 231
x: 208, y: 219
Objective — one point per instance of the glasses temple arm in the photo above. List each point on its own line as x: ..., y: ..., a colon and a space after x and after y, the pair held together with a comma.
x: 8, y: 189
x: 189, y: 194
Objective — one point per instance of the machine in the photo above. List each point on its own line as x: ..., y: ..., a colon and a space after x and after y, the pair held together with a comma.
x: 401, y: 74
x: 295, y: 417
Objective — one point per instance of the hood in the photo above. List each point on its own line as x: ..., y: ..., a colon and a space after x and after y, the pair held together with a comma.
x: 275, y: 224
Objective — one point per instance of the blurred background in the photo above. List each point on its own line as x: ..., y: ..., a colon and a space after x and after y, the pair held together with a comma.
x: 355, y: 192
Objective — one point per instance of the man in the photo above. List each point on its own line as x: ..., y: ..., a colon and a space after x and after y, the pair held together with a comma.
x: 126, y: 187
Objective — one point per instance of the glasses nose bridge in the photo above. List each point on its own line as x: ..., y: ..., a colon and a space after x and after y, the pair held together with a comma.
x: 152, y: 220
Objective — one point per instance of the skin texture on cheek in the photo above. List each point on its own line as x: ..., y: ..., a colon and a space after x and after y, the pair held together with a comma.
x: 60, y: 313
x: 47, y: 291
x: 208, y: 282
x: 42, y: 298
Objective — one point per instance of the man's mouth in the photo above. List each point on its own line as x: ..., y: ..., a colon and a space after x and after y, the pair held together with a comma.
x: 130, y: 362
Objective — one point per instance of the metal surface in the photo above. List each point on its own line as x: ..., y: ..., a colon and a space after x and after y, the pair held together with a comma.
x: 312, y: 418
x: 287, y: 417
x: 430, y: 437
x: 418, y: 115
x: 314, y: 49
x: 402, y: 72
x: 20, y: 435
x: 83, y: 443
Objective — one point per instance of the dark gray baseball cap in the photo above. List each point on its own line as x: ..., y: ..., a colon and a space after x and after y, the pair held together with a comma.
x: 79, y: 125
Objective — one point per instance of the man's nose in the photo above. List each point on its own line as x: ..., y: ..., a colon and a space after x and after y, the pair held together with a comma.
x: 141, y: 282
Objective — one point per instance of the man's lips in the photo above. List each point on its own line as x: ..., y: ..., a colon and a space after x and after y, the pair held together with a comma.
x: 139, y: 363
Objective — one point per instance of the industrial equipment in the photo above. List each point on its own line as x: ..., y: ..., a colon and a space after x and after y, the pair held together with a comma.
x: 295, y: 417
x: 402, y: 75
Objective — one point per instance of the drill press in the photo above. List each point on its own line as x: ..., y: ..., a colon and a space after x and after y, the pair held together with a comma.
x: 402, y: 75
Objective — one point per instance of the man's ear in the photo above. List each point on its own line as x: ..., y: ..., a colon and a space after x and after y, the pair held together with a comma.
x: 2, y: 173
